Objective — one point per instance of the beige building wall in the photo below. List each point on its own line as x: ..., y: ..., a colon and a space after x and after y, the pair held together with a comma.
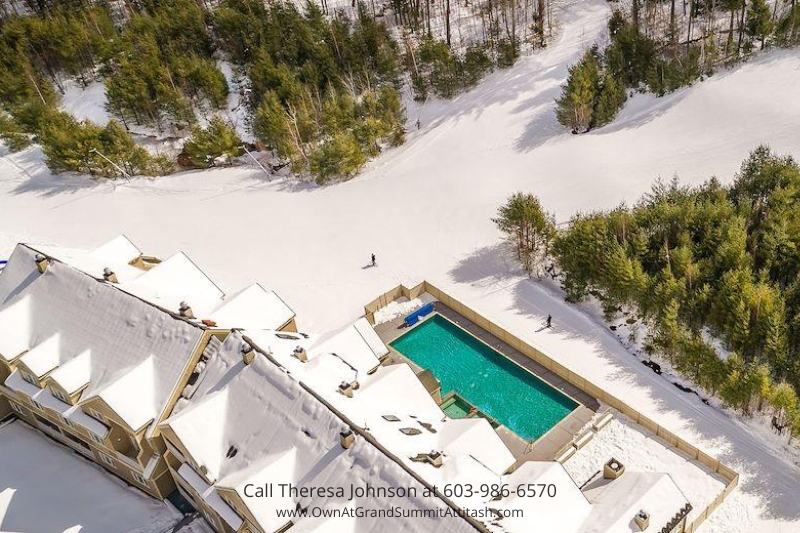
x: 125, y: 452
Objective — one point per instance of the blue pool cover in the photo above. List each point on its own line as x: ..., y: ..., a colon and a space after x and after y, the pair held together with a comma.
x: 415, y: 317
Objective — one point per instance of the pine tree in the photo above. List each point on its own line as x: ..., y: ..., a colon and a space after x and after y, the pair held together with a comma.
x: 339, y: 157
x: 216, y: 144
x: 612, y: 98
x: 759, y: 21
x: 576, y: 105
x: 529, y: 226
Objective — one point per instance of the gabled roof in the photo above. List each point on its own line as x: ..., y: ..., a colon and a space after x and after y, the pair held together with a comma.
x: 563, y: 511
x: 615, y: 503
x: 281, y: 466
x: 44, y: 397
x: 356, y: 343
x: 75, y: 373
x: 253, y: 308
x: 15, y: 325
x: 176, y: 280
x: 43, y: 357
x: 138, y: 382
x: 122, y: 333
x: 116, y: 254
x: 256, y: 424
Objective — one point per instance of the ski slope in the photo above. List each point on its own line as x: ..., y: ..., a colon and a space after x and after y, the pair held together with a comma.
x: 424, y: 209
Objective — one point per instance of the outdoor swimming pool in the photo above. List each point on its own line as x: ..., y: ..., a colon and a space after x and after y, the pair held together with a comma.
x: 494, y: 384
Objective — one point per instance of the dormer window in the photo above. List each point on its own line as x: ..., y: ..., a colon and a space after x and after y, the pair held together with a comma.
x: 60, y: 395
x: 29, y: 378
x: 96, y: 414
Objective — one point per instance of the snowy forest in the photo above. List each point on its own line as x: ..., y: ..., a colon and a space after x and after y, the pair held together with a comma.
x: 659, y: 47
x: 714, y: 270
x: 321, y: 83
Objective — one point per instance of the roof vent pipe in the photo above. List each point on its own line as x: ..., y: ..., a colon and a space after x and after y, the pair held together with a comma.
x: 248, y: 353
x: 642, y: 519
x: 186, y: 311
x: 346, y: 389
x: 347, y: 438
x: 109, y: 275
x: 613, y: 469
x: 301, y: 354
x: 41, y: 263
x: 435, y: 458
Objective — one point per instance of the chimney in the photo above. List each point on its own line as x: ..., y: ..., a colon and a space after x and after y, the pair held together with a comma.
x: 248, y: 353
x: 642, y: 519
x: 347, y: 438
x: 435, y: 458
x: 346, y: 389
x: 613, y: 469
x: 41, y: 263
x: 186, y: 311
x: 109, y: 275
x: 301, y: 354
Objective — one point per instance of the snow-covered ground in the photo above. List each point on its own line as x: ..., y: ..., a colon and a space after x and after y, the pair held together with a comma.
x: 424, y: 209
x: 45, y: 487
x: 623, y: 440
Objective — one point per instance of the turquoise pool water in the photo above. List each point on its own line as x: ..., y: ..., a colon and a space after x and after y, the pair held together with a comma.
x: 490, y: 381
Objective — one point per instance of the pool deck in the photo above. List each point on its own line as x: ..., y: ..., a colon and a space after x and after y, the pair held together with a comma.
x: 546, y: 447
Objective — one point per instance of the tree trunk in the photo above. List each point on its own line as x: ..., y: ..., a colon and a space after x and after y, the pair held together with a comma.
x: 447, y: 20
x: 741, y: 27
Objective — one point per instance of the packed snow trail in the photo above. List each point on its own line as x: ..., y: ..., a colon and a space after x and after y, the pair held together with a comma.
x: 425, y: 210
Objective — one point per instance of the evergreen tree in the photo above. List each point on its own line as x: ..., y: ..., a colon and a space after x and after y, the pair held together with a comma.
x: 611, y: 99
x: 216, y: 144
x: 339, y: 157
x: 529, y: 226
x: 575, y: 107
x: 759, y: 21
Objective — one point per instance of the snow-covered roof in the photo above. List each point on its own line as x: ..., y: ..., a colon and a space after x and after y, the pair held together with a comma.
x: 44, y: 397
x: 254, y: 424
x: 134, y: 352
x: 43, y: 357
x: 615, y: 503
x: 253, y: 308
x: 210, y: 496
x: 74, y: 374
x: 139, y: 382
x: 472, y: 451
x: 357, y: 343
x: 15, y: 325
x: 563, y: 510
x: 175, y: 280
x: 116, y: 255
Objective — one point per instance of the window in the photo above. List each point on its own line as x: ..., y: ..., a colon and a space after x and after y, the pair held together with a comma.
x: 210, y: 519
x: 64, y: 420
x: 96, y: 414
x: 46, y: 423
x: 60, y: 395
x: 17, y: 408
x: 36, y: 404
x: 96, y: 438
x: 139, y: 479
x: 77, y: 441
x: 106, y: 459
x: 29, y: 378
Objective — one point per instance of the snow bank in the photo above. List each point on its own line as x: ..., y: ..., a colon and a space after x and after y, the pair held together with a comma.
x: 44, y: 487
